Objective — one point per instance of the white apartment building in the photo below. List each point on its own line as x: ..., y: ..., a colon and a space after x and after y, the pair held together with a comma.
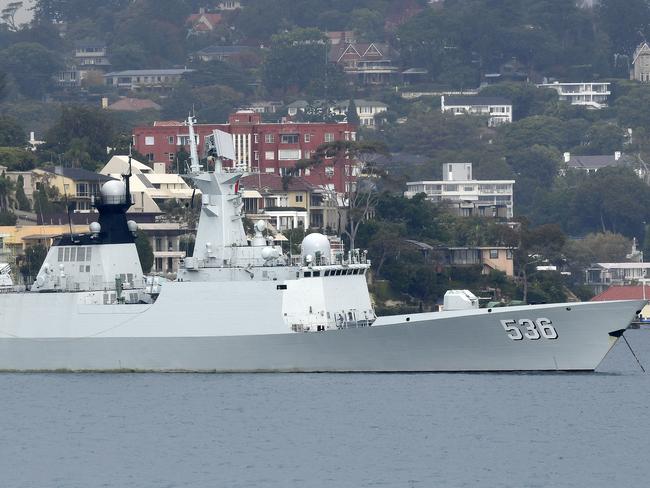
x: 366, y: 109
x: 589, y: 94
x: 498, y: 110
x: 488, y: 198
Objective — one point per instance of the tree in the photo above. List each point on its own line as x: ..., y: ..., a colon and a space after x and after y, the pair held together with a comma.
x: 6, y: 190
x: 351, y: 114
x: 11, y: 133
x: 295, y: 59
x: 145, y: 251
x: 603, y: 138
x: 32, y: 66
x: 8, y: 14
x: 82, y: 133
x: 624, y: 21
x: 7, y: 218
x: 21, y: 198
x: 359, y: 195
x: 32, y: 261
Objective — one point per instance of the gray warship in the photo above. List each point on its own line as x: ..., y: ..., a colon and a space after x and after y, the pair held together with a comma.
x: 240, y: 306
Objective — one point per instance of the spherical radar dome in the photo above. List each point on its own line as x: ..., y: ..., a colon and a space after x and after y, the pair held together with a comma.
x: 113, y: 189
x: 316, y: 243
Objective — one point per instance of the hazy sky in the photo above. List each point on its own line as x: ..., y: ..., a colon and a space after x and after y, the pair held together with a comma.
x: 23, y: 15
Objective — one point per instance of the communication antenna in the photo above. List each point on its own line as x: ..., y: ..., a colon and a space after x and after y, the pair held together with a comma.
x: 195, y: 167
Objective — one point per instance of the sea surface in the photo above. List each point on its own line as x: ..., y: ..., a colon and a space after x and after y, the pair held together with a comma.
x: 330, y: 430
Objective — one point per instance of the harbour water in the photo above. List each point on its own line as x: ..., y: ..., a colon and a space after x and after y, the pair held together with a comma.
x: 329, y: 430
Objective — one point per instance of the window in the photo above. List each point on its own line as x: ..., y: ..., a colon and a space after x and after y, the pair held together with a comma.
x: 508, y: 253
x: 289, y: 138
x: 172, y: 156
x: 269, y: 138
x: 170, y: 139
x: 299, y: 198
x: 255, y: 138
x: 269, y: 155
x: 329, y: 171
x: 494, y: 253
x: 256, y: 155
x: 292, y: 154
x: 307, y: 137
x: 149, y: 141
x: 150, y: 157
x: 82, y: 190
x: 329, y: 137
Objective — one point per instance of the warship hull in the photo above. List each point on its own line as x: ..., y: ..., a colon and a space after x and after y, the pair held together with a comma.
x: 59, y: 332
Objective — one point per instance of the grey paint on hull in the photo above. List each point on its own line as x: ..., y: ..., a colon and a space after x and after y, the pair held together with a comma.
x: 476, y: 342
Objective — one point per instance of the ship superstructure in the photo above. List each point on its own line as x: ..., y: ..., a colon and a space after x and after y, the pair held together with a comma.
x: 317, y: 294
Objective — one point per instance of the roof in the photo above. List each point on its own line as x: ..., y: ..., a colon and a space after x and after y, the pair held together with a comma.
x: 78, y: 174
x: 120, y: 164
x: 629, y: 265
x: 273, y: 182
x: 599, y: 161
x: 167, y: 123
x: 628, y: 292
x: 216, y: 49
x: 134, y: 105
x: 213, y: 19
x: 149, y: 72
x: 474, y: 100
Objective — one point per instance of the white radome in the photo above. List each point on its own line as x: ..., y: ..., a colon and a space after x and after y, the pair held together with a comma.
x: 95, y: 227
x: 113, y: 188
x: 316, y: 243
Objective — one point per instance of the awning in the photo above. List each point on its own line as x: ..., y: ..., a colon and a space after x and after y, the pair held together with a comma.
x: 251, y: 194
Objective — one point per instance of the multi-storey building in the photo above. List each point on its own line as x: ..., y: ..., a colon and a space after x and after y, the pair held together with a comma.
x: 259, y: 147
x: 367, y: 63
x: 366, y: 109
x: 497, y: 110
x: 588, y: 94
x: 489, y: 198
x: 149, y: 79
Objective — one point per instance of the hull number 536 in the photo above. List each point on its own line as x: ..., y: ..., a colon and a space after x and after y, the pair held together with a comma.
x: 530, y: 329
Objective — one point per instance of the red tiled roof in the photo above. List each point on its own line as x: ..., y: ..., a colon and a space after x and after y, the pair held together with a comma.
x: 628, y: 292
x: 213, y: 19
x: 133, y: 105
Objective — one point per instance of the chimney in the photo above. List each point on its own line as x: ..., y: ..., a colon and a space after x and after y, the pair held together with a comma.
x: 617, y: 155
x: 567, y: 157
x: 104, y: 102
x: 202, y: 10
x: 32, y: 138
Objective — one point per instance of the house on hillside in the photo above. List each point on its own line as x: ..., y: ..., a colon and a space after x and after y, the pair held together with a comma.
x: 76, y: 185
x: 286, y: 204
x: 366, y: 109
x: 88, y: 55
x: 366, y: 63
x: 592, y: 164
x: 202, y: 23
x: 220, y: 53
x: 641, y: 63
x: 146, y: 79
x: 465, y: 195
x: 498, y: 110
x: 589, y: 94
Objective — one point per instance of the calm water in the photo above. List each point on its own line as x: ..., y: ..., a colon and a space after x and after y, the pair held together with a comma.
x: 417, y: 430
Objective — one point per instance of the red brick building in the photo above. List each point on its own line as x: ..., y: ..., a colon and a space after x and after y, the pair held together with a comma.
x: 265, y: 147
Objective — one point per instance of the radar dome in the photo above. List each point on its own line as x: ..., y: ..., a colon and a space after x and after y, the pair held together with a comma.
x: 95, y: 227
x: 113, y: 189
x: 316, y: 245
x: 132, y: 225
